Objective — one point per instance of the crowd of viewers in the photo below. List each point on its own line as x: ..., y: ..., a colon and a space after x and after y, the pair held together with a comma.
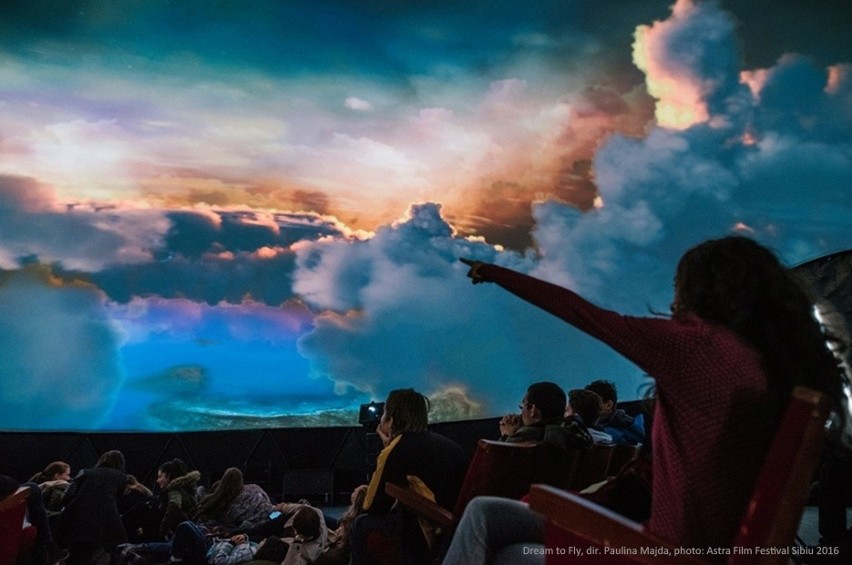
x: 104, y: 511
x: 741, y: 335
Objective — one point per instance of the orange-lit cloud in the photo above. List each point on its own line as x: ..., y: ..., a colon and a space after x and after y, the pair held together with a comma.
x: 688, y: 63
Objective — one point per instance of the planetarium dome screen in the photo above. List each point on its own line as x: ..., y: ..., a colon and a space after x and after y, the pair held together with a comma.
x: 223, y: 215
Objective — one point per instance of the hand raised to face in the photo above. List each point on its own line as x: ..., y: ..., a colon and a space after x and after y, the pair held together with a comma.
x: 509, y: 424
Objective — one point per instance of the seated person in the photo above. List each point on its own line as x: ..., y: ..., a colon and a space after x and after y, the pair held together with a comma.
x: 177, y: 494
x: 53, y: 481
x: 583, y: 406
x: 338, y: 550
x: 426, y: 462
x: 233, y: 503
x: 543, y: 405
x: 140, y: 512
x: 614, y: 421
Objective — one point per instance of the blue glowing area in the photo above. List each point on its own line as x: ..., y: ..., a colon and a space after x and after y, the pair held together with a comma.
x: 192, y: 366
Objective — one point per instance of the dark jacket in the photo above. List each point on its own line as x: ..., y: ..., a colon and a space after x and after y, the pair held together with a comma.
x: 89, y: 509
x: 178, y: 501
x: 569, y: 433
x: 565, y: 433
x: 424, y: 458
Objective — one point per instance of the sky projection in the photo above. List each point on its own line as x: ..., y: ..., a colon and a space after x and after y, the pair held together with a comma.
x: 221, y: 215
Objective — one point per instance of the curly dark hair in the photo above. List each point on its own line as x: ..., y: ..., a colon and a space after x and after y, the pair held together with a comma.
x: 741, y: 285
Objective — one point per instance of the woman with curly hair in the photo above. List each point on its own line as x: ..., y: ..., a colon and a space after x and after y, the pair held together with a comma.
x: 741, y: 335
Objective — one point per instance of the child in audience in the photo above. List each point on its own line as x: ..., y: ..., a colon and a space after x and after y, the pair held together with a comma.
x: 623, y: 428
x: 584, y: 408
x: 742, y: 334
x: 339, y: 547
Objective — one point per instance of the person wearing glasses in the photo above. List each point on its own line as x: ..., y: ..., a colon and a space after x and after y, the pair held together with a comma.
x: 542, y: 405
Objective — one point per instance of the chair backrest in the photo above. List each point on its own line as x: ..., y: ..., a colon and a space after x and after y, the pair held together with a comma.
x: 501, y: 469
x: 771, y: 518
x: 621, y: 455
x: 12, y: 510
x: 781, y: 491
x: 593, y: 466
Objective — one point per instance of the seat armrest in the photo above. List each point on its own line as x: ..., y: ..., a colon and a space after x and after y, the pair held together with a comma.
x: 16, y: 498
x: 420, y: 506
x: 599, y: 526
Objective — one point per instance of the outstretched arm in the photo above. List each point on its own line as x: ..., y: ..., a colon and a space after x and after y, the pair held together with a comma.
x: 473, y: 273
x: 645, y: 341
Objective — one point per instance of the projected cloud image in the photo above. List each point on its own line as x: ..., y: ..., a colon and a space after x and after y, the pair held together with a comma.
x: 228, y: 216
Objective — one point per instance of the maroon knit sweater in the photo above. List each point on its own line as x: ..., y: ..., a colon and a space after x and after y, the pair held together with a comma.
x: 710, y: 433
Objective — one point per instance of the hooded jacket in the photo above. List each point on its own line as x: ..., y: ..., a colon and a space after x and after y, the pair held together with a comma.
x: 179, y: 500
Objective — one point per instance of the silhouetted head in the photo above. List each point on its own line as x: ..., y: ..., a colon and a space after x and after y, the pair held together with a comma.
x: 586, y: 404
x: 231, y: 483
x: 171, y: 470
x: 608, y: 393
x: 306, y: 523
x: 407, y: 411
x: 721, y: 280
x: 113, y: 459
x: 543, y: 401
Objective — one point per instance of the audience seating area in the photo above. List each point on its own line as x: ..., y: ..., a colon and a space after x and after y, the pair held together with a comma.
x: 771, y: 519
x: 508, y: 470
x: 338, y: 459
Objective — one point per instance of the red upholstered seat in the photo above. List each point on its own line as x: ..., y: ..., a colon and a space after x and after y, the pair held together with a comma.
x: 16, y: 540
x: 594, y: 466
x: 766, y: 531
x: 497, y: 469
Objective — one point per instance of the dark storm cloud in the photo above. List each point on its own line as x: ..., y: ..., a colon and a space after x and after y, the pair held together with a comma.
x: 35, y: 226
x: 193, y: 234
x: 216, y: 257
x: 208, y: 279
